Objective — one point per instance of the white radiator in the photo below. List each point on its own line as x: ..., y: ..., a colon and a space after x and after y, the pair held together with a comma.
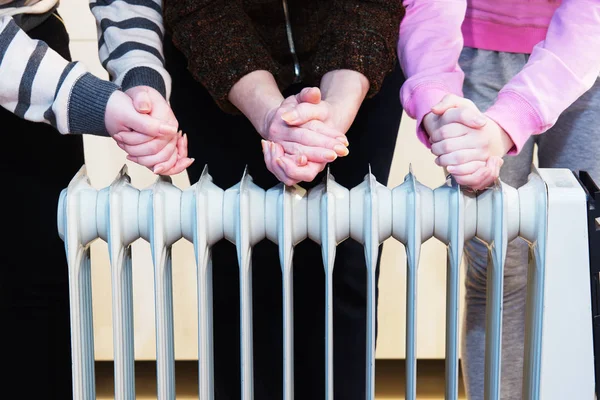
x: 549, y: 212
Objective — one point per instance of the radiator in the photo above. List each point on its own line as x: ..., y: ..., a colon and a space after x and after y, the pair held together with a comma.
x: 549, y: 212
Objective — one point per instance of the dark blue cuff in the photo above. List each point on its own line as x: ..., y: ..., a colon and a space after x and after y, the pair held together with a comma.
x: 144, y: 76
x: 87, y: 105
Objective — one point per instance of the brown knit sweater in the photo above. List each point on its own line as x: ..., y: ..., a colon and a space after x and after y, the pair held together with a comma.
x: 224, y: 40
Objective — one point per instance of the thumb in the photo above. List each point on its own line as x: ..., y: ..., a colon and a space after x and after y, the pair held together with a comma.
x: 147, y: 125
x: 305, y: 112
x: 449, y: 101
x: 309, y: 95
x: 142, y: 102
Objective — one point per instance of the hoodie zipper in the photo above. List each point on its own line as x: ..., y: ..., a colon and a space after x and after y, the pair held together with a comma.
x: 290, y: 38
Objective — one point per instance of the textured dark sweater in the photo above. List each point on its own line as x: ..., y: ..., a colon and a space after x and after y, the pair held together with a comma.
x: 224, y: 40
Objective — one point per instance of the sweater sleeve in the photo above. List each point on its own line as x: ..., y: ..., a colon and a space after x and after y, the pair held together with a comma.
x: 220, y: 44
x: 428, y: 49
x: 37, y: 84
x: 561, y: 68
x: 360, y: 35
x: 130, y: 42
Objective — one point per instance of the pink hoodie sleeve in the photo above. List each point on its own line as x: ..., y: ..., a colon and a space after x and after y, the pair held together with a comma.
x: 561, y: 68
x: 429, y: 46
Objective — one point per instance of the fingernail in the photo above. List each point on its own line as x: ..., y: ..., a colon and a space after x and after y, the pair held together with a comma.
x: 344, y: 140
x: 168, y: 129
x: 145, y: 106
x: 263, y: 145
x: 279, y: 162
x: 290, y: 116
x: 479, y: 120
x: 301, y: 160
x: 118, y: 137
x: 342, y: 151
x: 157, y: 170
x: 331, y: 155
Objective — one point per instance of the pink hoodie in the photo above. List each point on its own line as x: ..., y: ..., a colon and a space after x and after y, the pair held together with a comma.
x: 562, y: 38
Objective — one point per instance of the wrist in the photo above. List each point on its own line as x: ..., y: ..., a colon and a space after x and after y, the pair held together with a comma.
x: 88, y: 103
x: 344, y: 85
x: 257, y: 96
x: 507, y: 142
x: 265, y: 122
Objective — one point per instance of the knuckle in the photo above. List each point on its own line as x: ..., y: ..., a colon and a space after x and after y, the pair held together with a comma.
x: 443, y: 133
x: 272, y: 132
x: 445, y: 146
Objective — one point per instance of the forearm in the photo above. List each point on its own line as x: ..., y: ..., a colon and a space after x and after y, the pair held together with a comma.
x: 429, y: 46
x: 360, y: 35
x: 256, y: 95
x: 37, y: 84
x: 220, y: 44
x: 345, y: 90
x: 131, y: 43
x: 561, y: 69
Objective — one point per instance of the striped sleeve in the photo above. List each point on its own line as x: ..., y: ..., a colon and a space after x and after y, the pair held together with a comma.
x: 37, y: 84
x: 130, y: 42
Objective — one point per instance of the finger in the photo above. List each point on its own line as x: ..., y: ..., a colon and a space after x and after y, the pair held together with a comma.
x: 468, y: 141
x: 165, y: 166
x: 324, y: 129
x: 146, y: 149
x: 150, y: 126
x: 276, y: 152
x: 266, y: 154
x: 449, y: 101
x: 305, y: 112
x: 269, y: 162
x: 306, y: 137
x: 182, y: 146
x: 485, y: 182
x: 465, y: 169
x: 309, y: 95
x: 494, y: 164
x: 300, y: 159
x: 141, y: 101
x: 468, y: 115
x: 160, y: 157
x: 448, y: 131
x: 461, y: 157
x: 475, y: 179
x: 313, y: 154
x: 306, y: 173
x: 132, y: 138
x: 181, y: 165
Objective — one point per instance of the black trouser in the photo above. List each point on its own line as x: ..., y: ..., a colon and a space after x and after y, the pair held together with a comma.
x: 228, y: 143
x: 37, y: 163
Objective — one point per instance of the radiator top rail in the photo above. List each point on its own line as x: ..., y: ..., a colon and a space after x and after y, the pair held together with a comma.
x: 351, y: 211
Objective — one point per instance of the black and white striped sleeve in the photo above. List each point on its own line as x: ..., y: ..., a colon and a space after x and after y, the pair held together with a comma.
x: 37, y: 84
x: 130, y: 42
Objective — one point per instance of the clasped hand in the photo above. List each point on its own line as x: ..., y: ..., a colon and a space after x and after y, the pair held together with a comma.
x: 142, y: 123
x: 301, y: 136
x: 467, y: 143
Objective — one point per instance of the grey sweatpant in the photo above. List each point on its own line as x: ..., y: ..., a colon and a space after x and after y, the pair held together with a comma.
x: 572, y: 143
